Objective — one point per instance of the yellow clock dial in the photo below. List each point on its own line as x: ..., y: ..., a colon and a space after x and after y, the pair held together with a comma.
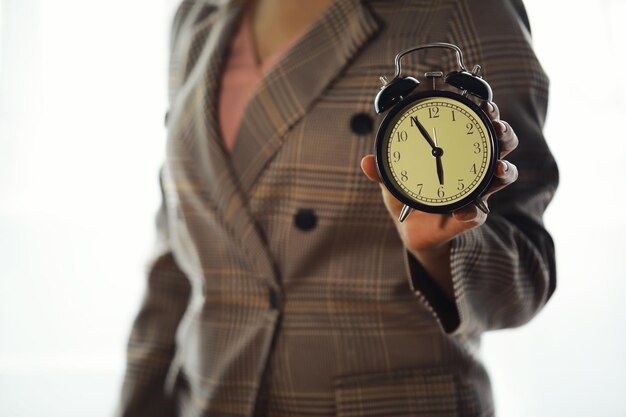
x: 437, y: 151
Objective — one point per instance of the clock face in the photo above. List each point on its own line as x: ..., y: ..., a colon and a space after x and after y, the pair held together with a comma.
x: 437, y: 151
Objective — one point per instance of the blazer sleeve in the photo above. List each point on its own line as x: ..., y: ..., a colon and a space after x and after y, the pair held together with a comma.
x: 504, y: 271
x: 152, y: 344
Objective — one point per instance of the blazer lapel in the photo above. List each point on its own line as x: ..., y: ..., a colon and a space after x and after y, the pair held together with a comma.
x: 296, y: 81
x: 282, y: 98
x: 198, y: 158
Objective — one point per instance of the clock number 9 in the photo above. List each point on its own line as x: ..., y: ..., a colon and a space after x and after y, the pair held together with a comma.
x: 402, y: 136
x: 396, y: 156
x: 404, y: 176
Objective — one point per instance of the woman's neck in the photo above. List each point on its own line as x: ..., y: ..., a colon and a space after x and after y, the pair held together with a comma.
x: 276, y: 22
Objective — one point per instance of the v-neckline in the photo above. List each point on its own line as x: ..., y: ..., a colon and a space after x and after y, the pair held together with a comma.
x: 264, y: 66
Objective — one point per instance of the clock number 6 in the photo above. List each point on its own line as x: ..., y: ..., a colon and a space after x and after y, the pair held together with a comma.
x: 440, y: 192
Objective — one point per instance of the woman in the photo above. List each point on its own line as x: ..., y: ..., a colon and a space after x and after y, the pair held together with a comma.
x: 282, y: 283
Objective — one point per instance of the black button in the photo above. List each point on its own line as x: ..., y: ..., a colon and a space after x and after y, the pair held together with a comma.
x: 362, y: 123
x: 166, y: 117
x: 305, y: 219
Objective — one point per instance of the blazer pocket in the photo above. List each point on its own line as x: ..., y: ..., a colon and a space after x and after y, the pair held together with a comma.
x: 426, y: 392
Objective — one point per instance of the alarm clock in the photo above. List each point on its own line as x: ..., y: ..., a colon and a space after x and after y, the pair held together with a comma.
x: 436, y: 150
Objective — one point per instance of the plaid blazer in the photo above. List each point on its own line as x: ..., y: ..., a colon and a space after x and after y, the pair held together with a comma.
x: 279, y: 285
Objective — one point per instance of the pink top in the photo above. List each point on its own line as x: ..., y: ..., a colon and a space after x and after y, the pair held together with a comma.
x: 242, y: 73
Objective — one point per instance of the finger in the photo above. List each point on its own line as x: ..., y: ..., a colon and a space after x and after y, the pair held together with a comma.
x: 368, y: 165
x: 506, y: 174
x: 469, y: 217
x: 507, y: 139
x: 491, y: 109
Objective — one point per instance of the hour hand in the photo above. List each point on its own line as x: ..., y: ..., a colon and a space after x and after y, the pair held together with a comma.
x: 423, y: 131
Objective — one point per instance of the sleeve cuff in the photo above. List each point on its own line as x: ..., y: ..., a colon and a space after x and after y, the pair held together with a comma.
x: 444, y: 309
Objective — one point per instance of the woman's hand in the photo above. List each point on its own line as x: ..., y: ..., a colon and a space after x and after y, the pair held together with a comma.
x: 427, y: 236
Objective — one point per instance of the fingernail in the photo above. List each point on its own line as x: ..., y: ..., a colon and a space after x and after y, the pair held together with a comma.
x: 503, y: 127
x: 467, y: 216
x: 468, y: 219
x: 491, y: 108
x: 506, y: 166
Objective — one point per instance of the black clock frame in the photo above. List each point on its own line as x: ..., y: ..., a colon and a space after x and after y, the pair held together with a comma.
x: 390, y: 184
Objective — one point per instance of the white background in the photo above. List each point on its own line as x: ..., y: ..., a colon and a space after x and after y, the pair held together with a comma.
x: 82, y: 98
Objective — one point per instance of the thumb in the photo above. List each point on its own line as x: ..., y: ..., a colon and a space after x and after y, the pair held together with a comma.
x: 368, y: 165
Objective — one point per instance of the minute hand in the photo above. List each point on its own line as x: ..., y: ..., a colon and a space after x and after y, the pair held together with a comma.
x: 437, y: 152
x: 424, y: 132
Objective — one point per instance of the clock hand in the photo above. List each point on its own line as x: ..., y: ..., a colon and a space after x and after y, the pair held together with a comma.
x: 423, y: 131
x: 439, y: 170
x: 437, y: 152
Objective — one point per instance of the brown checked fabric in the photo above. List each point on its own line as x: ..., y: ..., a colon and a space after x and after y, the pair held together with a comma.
x: 279, y: 285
